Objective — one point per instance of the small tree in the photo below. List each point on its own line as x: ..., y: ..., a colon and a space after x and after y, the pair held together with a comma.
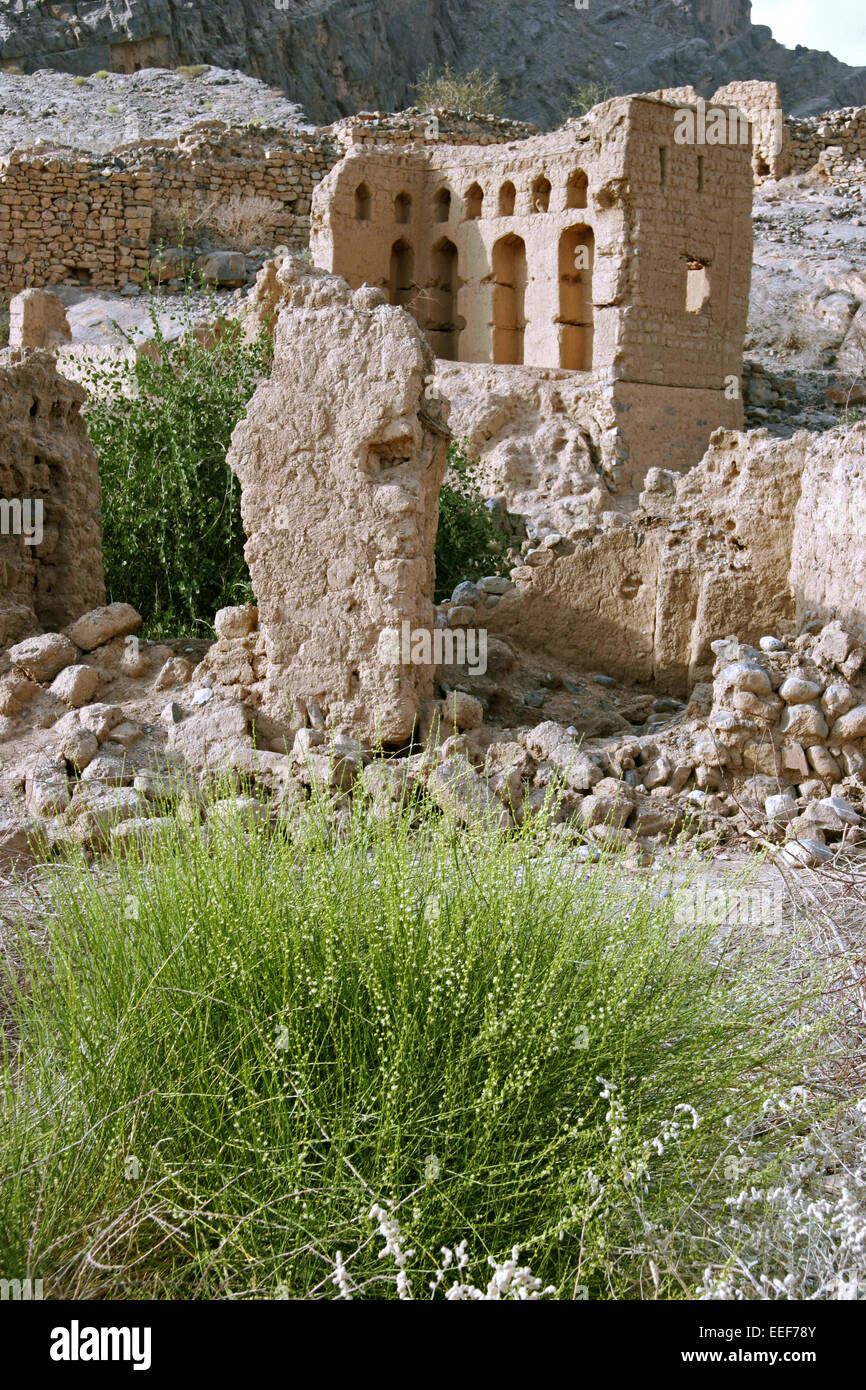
x: 470, y: 91
x: 585, y: 97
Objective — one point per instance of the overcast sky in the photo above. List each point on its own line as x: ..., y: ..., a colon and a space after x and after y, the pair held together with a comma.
x: 838, y: 26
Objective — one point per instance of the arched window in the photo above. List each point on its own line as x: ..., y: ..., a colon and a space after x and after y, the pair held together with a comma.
x: 541, y: 194
x: 509, y: 297
x: 402, y: 208
x: 575, y: 190
x: 401, y: 287
x: 442, y: 328
x: 507, y: 196
x: 442, y: 205
x: 474, y: 202
x: 363, y: 203
x: 576, y: 253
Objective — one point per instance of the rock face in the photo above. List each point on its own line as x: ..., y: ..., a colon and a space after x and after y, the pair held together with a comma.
x: 50, y: 532
x: 337, y: 56
x: 340, y: 460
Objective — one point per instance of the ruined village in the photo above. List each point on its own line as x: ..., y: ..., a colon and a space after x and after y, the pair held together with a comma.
x: 645, y: 329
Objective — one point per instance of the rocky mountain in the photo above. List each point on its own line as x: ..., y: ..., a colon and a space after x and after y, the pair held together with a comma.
x: 334, y: 57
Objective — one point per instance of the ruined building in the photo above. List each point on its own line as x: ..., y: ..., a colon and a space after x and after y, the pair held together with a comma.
x: 50, y: 527
x: 606, y: 248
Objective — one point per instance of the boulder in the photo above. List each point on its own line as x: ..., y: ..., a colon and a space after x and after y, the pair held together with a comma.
x: 42, y: 658
x: 100, y: 625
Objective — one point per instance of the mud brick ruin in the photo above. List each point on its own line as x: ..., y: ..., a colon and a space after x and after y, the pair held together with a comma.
x: 45, y: 458
x: 340, y: 459
x: 606, y: 248
x: 574, y: 305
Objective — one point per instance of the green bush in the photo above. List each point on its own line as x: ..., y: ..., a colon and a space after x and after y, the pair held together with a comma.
x: 173, y: 541
x: 471, y: 540
x: 585, y: 97
x: 469, y: 92
x: 172, y: 534
x: 223, y: 1054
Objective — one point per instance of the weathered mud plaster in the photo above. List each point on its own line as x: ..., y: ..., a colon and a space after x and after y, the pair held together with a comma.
x: 340, y: 458
x: 606, y: 249
x: 51, y: 550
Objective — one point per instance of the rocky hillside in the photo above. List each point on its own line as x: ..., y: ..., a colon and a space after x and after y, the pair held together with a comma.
x: 338, y: 56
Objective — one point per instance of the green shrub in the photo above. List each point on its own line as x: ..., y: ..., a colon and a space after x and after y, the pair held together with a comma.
x: 223, y: 1054
x: 471, y: 540
x: 173, y: 540
x: 172, y: 534
x: 585, y: 97
x: 468, y: 92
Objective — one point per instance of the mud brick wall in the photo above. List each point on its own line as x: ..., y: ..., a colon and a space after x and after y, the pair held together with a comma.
x: 46, y: 457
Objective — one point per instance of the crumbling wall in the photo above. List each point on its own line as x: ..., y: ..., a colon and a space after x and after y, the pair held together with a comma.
x: 340, y: 460
x: 828, y: 559
x: 606, y: 247
x: 705, y: 554
x: 67, y: 218
x: 50, y: 551
x: 37, y: 319
x: 571, y: 249
x: 842, y: 132
x: 771, y: 137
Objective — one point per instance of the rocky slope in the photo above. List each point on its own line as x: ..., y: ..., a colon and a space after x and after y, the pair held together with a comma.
x: 101, y: 113
x: 339, y: 56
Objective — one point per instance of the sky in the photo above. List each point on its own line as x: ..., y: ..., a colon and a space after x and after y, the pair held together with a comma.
x: 837, y: 26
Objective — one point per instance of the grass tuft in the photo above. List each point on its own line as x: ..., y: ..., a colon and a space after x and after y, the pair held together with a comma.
x: 232, y: 1055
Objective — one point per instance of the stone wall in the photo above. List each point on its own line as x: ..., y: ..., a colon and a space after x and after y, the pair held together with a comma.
x: 45, y: 459
x: 67, y: 218
x: 843, y: 132
x: 214, y: 163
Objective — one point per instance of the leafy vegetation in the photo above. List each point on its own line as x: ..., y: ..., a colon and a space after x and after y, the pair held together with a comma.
x: 471, y: 92
x: 471, y: 540
x: 172, y: 534
x: 585, y: 96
